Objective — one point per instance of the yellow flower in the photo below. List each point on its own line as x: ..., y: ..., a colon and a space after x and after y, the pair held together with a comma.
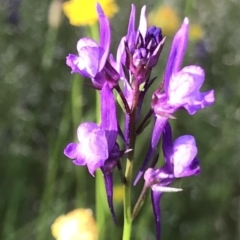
x: 166, y: 18
x: 196, y: 32
x: 83, y: 12
x: 76, y: 225
x: 118, y: 193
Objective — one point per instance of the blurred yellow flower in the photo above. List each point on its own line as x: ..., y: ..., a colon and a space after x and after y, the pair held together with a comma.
x: 196, y: 32
x: 166, y: 18
x: 118, y: 193
x: 83, y: 12
x: 76, y: 225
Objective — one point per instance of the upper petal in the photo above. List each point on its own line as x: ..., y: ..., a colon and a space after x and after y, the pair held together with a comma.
x: 85, y: 129
x: 86, y: 42
x: 87, y: 61
x: 184, y: 89
x: 105, y: 36
x: 131, y: 35
x: 177, y: 52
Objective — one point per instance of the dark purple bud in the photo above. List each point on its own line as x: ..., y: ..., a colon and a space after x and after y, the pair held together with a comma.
x: 108, y: 180
x: 156, y: 197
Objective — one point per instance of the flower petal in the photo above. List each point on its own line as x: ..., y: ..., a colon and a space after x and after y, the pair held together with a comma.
x: 156, y: 197
x: 167, y: 145
x: 184, y: 90
x: 143, y: 22
x: 71, y: 150
x: 94, y: 164
x: 177, y: 52
x: 131, y: 35
x: 93, y: 145
x: 86, y: 42
x: 184, y: 152
x: 109, y: 115
x: 105, y: 36
x: 108, y: 179
x: 85, y: 129
x: 72, y: 61
x: 89, y: 58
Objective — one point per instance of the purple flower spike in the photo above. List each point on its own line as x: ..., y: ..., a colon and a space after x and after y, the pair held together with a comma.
x: 92, y: 56
x: 180, y: 161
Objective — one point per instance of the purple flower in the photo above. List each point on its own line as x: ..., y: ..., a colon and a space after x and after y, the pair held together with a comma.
x: 92, y: 56
x: 180, y: 161
x: 181, y: 90
x: 97, y: 147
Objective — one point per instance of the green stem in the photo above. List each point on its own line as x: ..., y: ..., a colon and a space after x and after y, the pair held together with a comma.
x: 76, y: 97
x: 127, y: 187
x: 100, y: 195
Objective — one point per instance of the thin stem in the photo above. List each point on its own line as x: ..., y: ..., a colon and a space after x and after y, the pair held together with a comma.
x: 128, y: 174
x: 100, y: 196
x: 124, y: 100
x: 140, y: 201
x: 143, y: 123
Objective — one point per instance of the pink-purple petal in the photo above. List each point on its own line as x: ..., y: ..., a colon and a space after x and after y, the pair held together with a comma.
x: 177, y: 52
x: 184, y: 89
x: 89, y: 58
x: 97, y: 145
x: 94, y: 164
x: 85, y: 129
x: 105, y: 36
x: 131, y: 35
x: 79, y: 161
x: 109, y: 115
x: 86, y: 42
x: 184, y: 152
x: 71, y: 150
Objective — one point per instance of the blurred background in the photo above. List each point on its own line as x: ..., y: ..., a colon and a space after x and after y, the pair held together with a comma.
x: 40, y: 108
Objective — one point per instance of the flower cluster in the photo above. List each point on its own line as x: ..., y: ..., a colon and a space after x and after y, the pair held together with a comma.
x: 138, y: 53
